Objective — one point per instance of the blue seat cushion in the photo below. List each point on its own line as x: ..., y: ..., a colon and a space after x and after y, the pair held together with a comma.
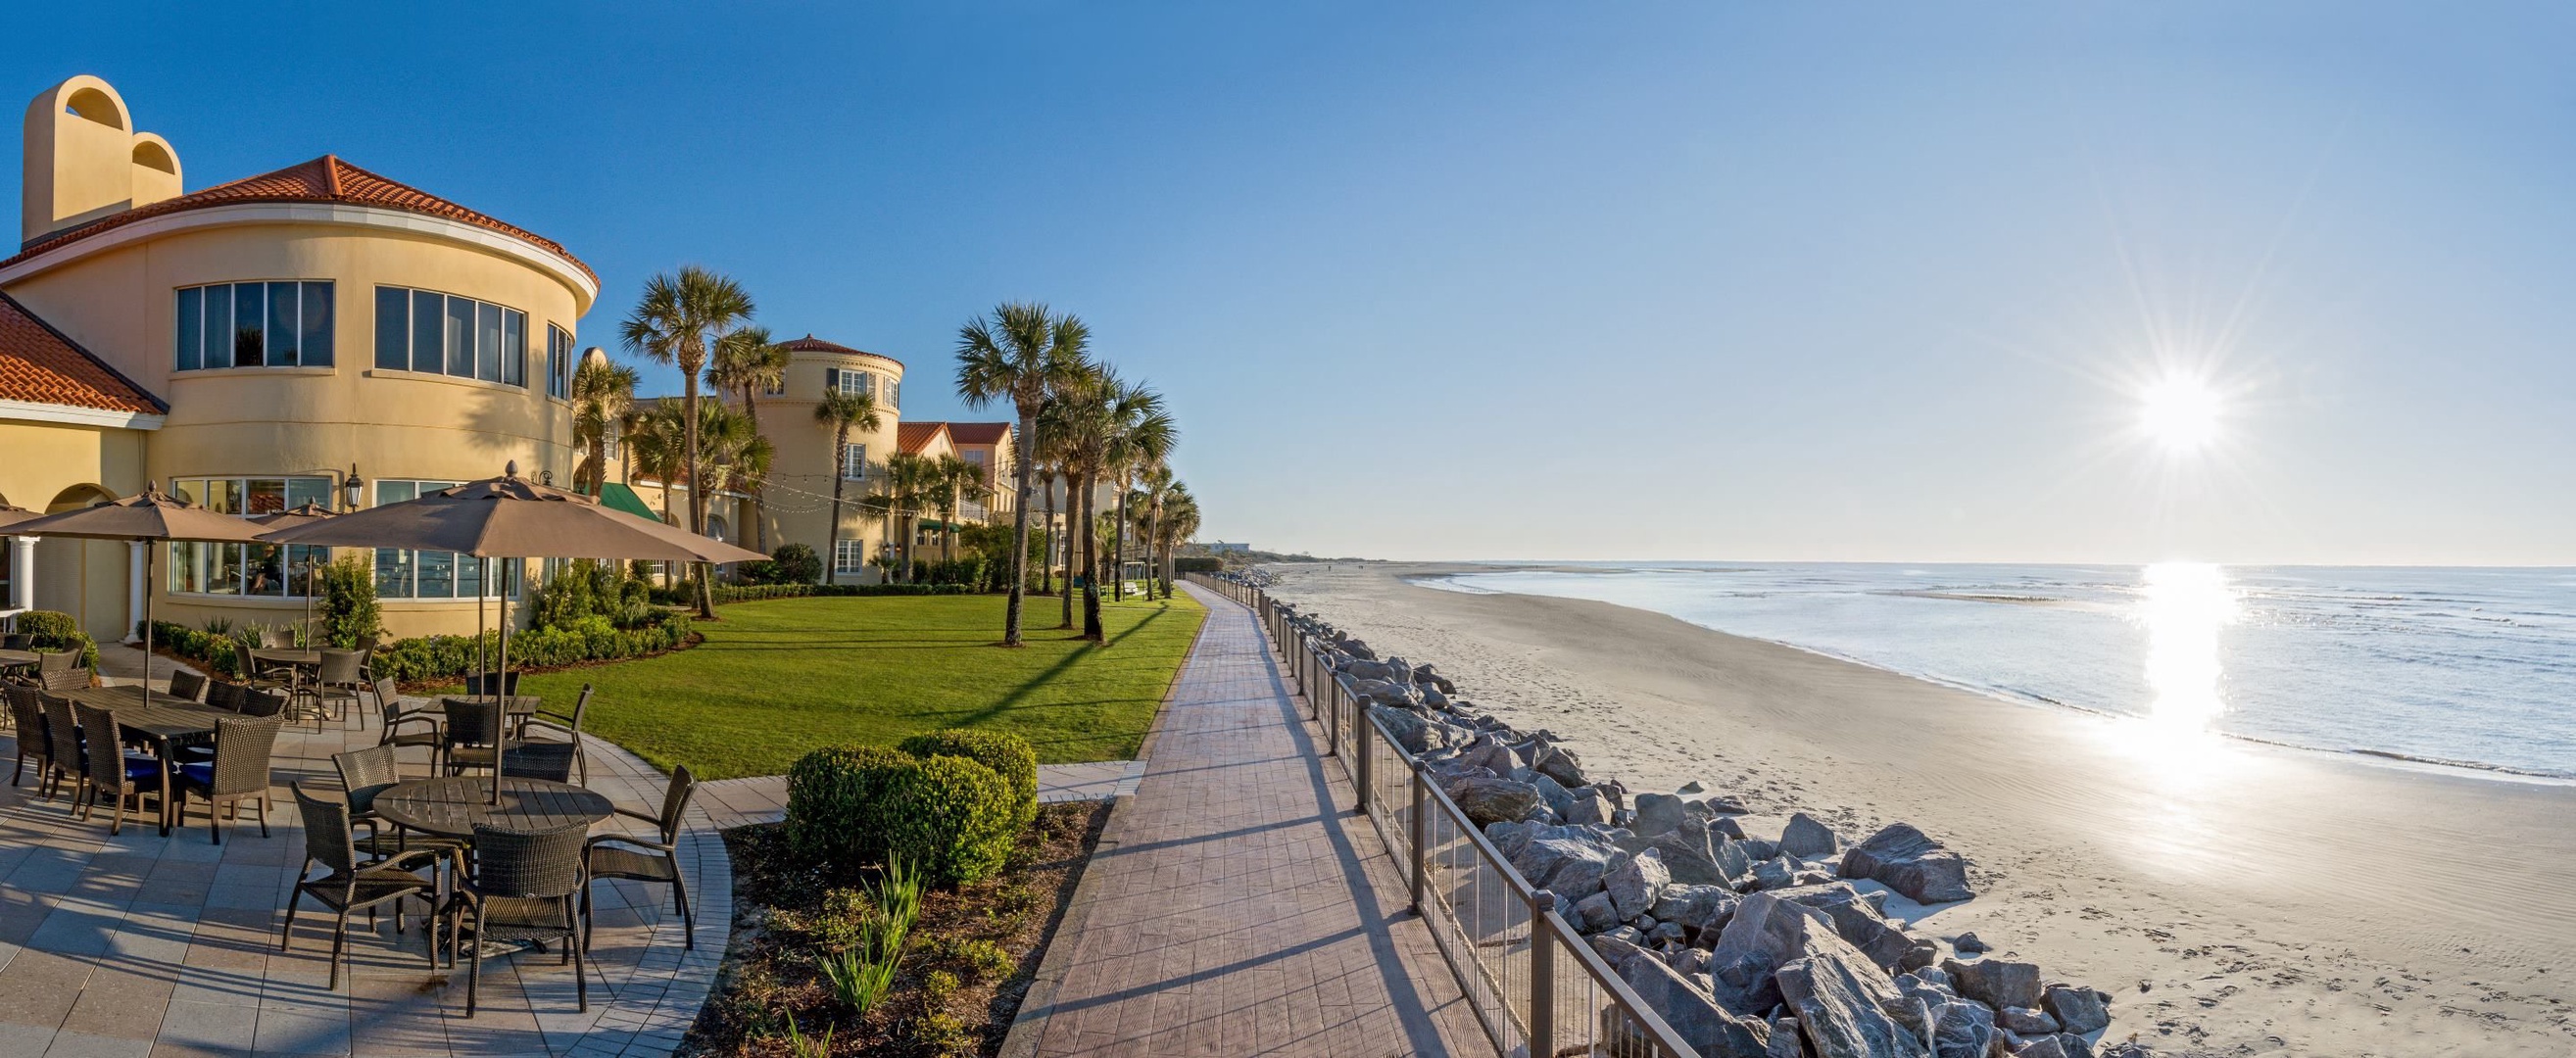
x: 142, y: 769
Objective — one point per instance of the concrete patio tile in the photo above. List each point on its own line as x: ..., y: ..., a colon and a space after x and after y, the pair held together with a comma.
x: 70, y: 1044
x: 220, y: 1027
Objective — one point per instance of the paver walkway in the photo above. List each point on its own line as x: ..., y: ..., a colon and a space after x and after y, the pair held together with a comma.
x: 1235, y: 906
x: 763, y: 799
x: 144, y: 945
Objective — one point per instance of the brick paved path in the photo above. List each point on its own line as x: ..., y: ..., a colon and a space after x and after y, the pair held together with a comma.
x: 1236, y: 907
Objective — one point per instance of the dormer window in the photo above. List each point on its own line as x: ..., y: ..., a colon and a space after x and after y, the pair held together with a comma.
x: 282, y: 323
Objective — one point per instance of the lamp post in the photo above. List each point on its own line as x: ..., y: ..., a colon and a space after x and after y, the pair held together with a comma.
x: 352, y: 489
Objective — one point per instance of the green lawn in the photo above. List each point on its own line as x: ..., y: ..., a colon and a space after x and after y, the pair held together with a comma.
x: 776, y: 679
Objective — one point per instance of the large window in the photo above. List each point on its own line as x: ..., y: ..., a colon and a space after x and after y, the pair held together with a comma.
x: 848, y: 381
x: 893, y: 392
x: 428, y: 574
x: 277, y: 324
x: 257, y: 570
x: 849, y: 556
x: 854, y: 461
x: 559, y: 362
x: 442, y: 334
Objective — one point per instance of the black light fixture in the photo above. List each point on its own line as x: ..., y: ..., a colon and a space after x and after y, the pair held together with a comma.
x: 546, y: 476
x: 352, y: 488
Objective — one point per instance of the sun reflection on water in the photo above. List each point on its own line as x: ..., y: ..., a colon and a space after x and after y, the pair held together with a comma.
x: 2183, y: 606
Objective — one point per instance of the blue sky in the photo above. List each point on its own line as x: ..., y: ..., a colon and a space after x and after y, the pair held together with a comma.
x: 1544, y: 281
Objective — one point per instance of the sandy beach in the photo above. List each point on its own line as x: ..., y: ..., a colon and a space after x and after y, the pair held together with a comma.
x: 2236, y: 899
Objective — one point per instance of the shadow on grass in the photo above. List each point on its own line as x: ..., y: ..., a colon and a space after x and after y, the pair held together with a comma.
x: 1031, y: 685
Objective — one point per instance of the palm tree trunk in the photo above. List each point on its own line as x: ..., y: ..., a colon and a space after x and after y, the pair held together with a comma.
x: 1020, y: 527
x: 759, y: 495
x: 1118, y: 544
x: 1072, y: 510
x: 1091, y: 629
x: 697, y: 496
x: 832, y: 548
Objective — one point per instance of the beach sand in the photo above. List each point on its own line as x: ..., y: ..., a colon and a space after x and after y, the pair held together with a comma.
x: 2235, y: 899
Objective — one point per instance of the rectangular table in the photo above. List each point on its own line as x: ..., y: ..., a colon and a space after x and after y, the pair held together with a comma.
x: 165, y: 721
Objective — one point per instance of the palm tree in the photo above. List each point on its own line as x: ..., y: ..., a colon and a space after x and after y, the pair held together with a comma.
x: 1022, y: 353
x: 1155, y: 486
x: 748, y: 363
x: 1180, y: 522
x: 1097, y: 417
x: 655, y: 448
x: 910, y: 480
x: 603, y: 396
x: 1144, y: 436
x: 1051, y: 459
x: 841, y: 413
x: 957, y: 482
x: 678, y: 320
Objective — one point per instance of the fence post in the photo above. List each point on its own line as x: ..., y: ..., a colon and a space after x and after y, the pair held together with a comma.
x: 1333, y: 721
x: 1421, y: 834
x: 1367, y: 748
x: 1542, y: 1008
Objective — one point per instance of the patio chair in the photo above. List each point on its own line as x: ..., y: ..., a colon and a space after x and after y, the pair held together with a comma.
x: 69, y: 677
x: 111, y: 772
x: 422, y: 724
x: 568, y: 726
x: 338, y: 684
x: 641, y: 860
x: 52, y: 661
x: 17, y: 641
x: 353, y: 884
x: 27, y: 713
x: 524, y: 886
x: 551, y: 761
x: 69, y: 764
x: 481, y: 682
x: 262, y: 701
x: 364, y: 773
x: 471, y: 731
x: 188, y: 686
x: 238, y: 772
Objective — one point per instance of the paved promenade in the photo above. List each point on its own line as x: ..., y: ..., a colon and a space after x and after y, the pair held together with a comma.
x: 1235, y: 906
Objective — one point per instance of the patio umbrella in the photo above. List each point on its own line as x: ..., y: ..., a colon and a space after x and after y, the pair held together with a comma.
x: 13, y: 515
x: 305, y: 514
x: 511, y: 517
x: 148, y: 517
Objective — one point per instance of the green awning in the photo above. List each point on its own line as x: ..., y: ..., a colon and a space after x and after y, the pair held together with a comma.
x: 620, y: 498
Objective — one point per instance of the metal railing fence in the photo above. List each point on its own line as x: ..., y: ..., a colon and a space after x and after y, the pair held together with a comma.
x: 1536, y: 986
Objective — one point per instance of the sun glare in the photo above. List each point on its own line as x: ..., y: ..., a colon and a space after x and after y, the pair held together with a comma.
x: 2183, y: 605
x: 2180, y: 413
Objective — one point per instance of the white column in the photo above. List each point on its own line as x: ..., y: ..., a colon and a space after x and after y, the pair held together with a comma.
x: 134, y: 587
x: 22, y: 571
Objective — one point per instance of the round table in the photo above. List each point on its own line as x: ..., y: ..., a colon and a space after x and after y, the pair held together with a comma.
x: 451, y: 807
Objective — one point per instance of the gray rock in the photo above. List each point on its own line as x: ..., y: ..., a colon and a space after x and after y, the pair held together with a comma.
x: 1668, y: 934
x: 1845, y: 1004
x: 1569, y: 866
x: 1558, y: 763
x: 1490, y: 753
x: 1657, y: 813
x: 1807, y: 838
x: 1635, y: 884
x: 1595, y: 914
x: 1687, y: 859
x: 1432, y: 698
x: 1494, y: 800
x: 1857, y: 922
x: 1968, y: 944
x: 1774, y: 874
x: 1994, y: 982
x: 2060, y: 1046
x: 1689, y: 961
x: 2077, y: 1010
x: 1692, y: 787
x: 1733, y: 863
x: 1587, y: 804
x: 1764, y: 934
x: 2026, y: 1021
x: 1384, y: 692
x: 1785, y: 1039
x: 1963, y: 1028
x: 1358, y: 649
x: 1905, y: 860
x: 1613, y: 948
x: 1558, y: 798
x: 1759, y: 849
x: 1700, y: 907
x: 1417, y: 734
x: 2128, y: 1049
x: 1920, y: 956
x: 1707, y: 1028
x: 1733, y: 830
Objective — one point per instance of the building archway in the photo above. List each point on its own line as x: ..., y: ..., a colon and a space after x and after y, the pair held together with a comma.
x: 83, y: 578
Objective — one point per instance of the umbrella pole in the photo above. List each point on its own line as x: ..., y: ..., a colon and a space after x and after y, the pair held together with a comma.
x: 147, y: 623
x: 501, y: 686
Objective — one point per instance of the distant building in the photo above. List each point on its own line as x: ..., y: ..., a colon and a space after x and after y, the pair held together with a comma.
x: 1222, y: 548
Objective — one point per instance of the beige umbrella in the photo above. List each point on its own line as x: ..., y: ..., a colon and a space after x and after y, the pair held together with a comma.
x: 511, y: 517
x: 149, y: 517
x: 13, y: 515
x: 306, y: 513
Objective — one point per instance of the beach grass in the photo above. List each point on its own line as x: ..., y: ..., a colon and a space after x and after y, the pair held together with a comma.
x: 774, y: 680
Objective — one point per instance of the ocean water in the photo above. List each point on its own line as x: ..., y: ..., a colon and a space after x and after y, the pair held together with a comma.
x: 2454, y: 666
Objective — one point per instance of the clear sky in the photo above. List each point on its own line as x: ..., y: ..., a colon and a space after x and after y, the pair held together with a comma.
x: 1715, y: 281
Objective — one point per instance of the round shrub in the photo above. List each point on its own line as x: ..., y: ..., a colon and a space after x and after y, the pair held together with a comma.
x: 1009, y: 755
x: 948, y: 817
x: 831, y: 794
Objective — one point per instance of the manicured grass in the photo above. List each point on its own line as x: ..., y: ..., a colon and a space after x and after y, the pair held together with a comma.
x: 776, y: 679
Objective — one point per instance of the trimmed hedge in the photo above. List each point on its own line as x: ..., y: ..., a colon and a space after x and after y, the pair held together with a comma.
x: 53, y: 632
x: 1009, y: 755
x: 726, y: 593
x: 428, y: 658
x: 948, y: 817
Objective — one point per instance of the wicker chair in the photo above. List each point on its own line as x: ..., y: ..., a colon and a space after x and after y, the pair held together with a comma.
x: 27, y: 712
x: 641, y: 860
x: 49, y: 662
x: 69, y: 763
x: 262, y: 701
x: 422, y: 724
x: 524, y: 886
x: 70, y: 677
x: 338, y: 684
x: 111, y: 772
x: 567, y: 726
x: 472, y: 730
x: 551, y: 761
x: 364, y: 773
x: 238, y: 773
x: 188, y: 686
x: 17, y: 641
x: 481, y: 682
x: 352, y: 884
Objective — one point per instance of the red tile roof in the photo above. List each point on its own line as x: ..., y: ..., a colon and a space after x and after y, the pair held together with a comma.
x: 41, y: 366
x: 811, y: 344
x: 915, y: 436
x: 324, y: 179
x: 978, y: 433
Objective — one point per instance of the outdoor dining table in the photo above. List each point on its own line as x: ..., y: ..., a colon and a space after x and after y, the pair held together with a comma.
x: 159, y: 719
x: 450, y: 807
x: 11, y: 659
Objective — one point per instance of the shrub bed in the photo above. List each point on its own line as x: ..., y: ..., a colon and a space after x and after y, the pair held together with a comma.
x: 428, y: 658
x: 1009, y: 755
x: 726, y: 593
x: 949, y: 818
x: 50, y: 631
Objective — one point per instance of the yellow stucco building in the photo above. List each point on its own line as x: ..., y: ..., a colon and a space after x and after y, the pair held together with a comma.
x: 320, y: 334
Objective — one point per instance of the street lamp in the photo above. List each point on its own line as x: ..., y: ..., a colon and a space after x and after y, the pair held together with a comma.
x: 351, y: 488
